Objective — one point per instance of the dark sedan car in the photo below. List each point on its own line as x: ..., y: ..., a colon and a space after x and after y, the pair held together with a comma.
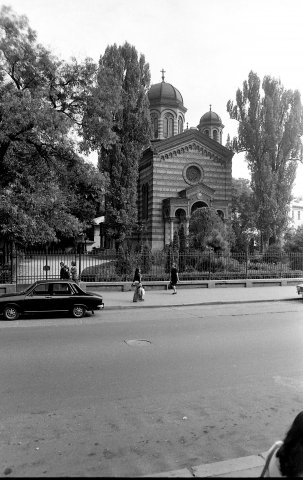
x: 50, y: 296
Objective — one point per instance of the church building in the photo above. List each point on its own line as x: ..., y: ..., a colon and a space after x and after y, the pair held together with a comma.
x: 183, y: 169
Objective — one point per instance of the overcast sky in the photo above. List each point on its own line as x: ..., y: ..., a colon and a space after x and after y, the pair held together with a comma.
x: 207, y: 48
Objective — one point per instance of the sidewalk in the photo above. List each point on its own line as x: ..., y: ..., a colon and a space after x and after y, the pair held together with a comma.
x: 116, y: 300
x: 243, y: 467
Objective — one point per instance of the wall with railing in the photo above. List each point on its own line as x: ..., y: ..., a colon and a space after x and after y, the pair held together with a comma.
x: 107, y: 266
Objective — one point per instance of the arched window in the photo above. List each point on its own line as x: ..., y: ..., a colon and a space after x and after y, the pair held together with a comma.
x: 168, y: 126
x: 215, y: 135
x: 180, y: 215
x: 206, y: 132
x: 220, y: 214
x: 197, y: 205
x: 154, y: 125
x: 180, y: 125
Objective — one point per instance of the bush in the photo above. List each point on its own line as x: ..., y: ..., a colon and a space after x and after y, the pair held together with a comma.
x: 210, y: 264
x: 124, y: 265
x: 273, y: 254
x: 296, y: 262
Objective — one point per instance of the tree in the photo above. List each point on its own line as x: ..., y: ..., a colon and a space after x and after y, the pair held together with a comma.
x: 243, y: 213
x: 206, y: 229
x: 118, y: 108
x: 294, y: 240
x: 47, y: 190
x: 270, y: 127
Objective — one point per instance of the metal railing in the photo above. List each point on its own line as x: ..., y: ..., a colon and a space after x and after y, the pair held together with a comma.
x: 25, y: 267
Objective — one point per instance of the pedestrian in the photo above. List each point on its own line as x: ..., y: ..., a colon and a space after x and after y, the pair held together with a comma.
x: 64, y: 271
x: 137, y: 283
x: 174, y: 278
x: 74, y: 272
x: 285, y: 458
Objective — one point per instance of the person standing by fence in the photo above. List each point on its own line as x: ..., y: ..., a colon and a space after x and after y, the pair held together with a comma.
x: 64, y: 271
x: 74, y: 272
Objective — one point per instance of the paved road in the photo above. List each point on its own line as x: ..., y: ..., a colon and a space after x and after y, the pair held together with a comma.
x: 87, y: 397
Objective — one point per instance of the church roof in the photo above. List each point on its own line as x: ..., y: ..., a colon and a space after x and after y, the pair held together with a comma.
x: 191, y: 134
x: 164, y: 93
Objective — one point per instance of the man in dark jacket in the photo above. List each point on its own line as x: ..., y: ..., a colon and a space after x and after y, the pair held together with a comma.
x: 64, y: 271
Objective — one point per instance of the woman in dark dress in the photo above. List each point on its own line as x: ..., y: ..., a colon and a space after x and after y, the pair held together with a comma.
x: 174, y: 278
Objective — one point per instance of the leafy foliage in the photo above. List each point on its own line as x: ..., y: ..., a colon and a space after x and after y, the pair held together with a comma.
x: 294, y: 241
x: 243, y: 213
x: 206, y: 229
x: 124, y: 263
x: 270, y: 127
x: 46, y: 188
x: 117, y: 124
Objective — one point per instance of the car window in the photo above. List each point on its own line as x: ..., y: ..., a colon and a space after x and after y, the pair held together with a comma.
x: 77, y: 289
x: 41, y: 289
x: 61, y: 289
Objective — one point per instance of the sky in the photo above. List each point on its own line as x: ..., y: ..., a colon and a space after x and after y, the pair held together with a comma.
x: 207, y: 48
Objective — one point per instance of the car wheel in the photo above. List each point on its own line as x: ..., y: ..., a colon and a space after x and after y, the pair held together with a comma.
x: 11, y: 313
x: 78, y: 311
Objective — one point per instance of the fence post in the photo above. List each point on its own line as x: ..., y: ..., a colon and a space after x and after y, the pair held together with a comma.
x: 246, y: 263
x: 14, y: 264
x: 46, y: 264
x: 80, y: 263
x: 209, y: 267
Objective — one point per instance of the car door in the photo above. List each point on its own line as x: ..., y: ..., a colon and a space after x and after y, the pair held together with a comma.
x: 61, y: 293
x: 39, y: 299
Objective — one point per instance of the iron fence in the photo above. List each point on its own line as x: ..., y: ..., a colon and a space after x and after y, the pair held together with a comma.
x: 25, y: 267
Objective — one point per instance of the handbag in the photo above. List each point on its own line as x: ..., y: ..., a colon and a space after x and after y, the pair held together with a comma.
x: 268, y: 459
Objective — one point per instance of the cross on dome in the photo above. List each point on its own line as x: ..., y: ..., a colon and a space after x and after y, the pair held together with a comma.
x: 163, y: 71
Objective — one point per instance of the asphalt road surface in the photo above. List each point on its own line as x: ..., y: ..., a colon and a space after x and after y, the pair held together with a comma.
x: 139, y: 392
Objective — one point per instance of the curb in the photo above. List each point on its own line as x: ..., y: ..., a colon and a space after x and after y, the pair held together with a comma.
x: 232, y: 302
x: 250, y: 466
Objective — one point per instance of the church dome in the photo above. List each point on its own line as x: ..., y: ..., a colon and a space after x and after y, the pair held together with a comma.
x: 211, y: 125
x: 165, y: 94
x: 210, y: 118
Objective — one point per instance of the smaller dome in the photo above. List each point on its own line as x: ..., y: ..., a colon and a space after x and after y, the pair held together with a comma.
x: 210, y: 118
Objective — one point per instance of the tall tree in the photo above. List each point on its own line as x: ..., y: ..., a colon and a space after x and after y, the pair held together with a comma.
x: 118, y: 126
x: 270, y: 127
x: 42, y: 101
